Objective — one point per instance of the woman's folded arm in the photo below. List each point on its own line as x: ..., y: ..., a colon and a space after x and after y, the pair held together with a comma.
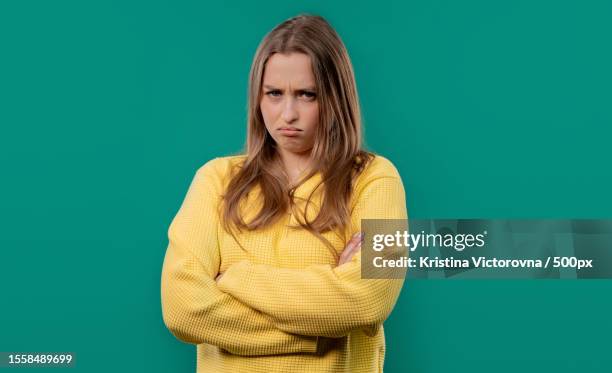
x: 318, y: 300
x: 322, y: 300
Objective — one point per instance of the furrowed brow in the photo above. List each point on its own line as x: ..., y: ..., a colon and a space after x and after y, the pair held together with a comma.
x: 309, y: 88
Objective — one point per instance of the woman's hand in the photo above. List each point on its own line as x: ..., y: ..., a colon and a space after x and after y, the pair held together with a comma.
x: 353, y: 246
x: 219, y: 277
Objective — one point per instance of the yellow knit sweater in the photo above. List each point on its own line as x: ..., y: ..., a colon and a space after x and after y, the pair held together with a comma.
x: 284, y: 305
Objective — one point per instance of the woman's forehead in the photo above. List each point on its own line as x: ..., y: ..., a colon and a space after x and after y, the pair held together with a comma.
x: 293, y: 69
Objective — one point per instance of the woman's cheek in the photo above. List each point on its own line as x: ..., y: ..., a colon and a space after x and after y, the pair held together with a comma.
x: 269, y: 112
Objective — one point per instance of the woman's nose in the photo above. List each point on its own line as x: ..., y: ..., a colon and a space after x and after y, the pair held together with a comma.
x: 290, y: 113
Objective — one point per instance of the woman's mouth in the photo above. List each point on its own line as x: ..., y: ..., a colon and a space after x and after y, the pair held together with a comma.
x: 289, y: 131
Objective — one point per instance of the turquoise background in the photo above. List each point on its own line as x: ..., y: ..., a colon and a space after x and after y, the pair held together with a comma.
x: 107, y: 108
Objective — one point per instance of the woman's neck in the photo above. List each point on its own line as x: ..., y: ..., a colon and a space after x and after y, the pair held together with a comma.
x: 295, y: 164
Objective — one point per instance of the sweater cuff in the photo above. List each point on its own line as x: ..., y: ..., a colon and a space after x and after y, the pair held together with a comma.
x: 307, y: 344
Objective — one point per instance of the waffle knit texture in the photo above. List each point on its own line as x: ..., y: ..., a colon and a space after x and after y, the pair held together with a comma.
x: 283, y: 305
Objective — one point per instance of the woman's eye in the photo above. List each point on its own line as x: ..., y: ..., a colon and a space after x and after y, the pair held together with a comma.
x: 273, y: 93
x: 308, y: 95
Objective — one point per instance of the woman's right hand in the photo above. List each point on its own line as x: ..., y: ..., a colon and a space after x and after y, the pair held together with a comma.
x: 352, y: 247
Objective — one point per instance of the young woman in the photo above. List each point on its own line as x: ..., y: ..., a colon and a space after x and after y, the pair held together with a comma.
x: 263, y: 266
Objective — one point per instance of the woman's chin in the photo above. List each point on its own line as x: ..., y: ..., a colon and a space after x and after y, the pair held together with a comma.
x: 295, y: 148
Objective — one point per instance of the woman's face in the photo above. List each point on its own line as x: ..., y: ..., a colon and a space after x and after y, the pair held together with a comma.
x: 289, y: 103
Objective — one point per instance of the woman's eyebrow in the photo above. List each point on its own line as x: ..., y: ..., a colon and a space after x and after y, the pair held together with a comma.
x: 309, y: 88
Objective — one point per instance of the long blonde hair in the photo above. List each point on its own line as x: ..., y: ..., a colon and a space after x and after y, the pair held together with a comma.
x: 337, y: 153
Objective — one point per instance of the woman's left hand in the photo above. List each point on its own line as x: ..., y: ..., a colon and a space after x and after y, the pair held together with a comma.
x: 218, y: 277
x: 353, y: 246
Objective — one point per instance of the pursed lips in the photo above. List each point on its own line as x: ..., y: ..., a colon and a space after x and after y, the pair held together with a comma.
x: 290, y: 131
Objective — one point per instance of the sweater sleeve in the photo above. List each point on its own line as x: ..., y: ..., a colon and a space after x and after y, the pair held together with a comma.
x: 321, y: 299
x: 193, y: 308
